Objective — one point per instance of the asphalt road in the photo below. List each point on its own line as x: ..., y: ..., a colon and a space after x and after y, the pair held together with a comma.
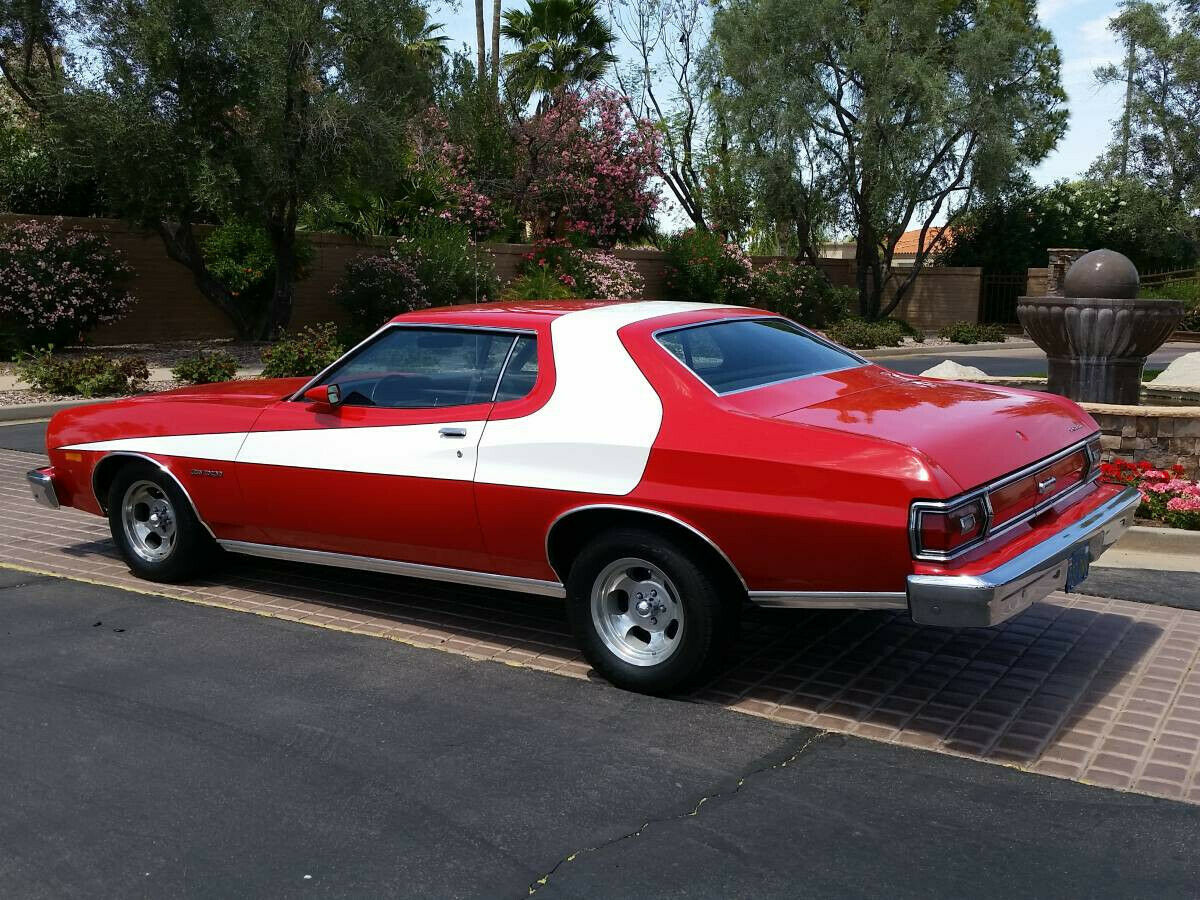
x: 155, y: 748
x: 1027, y: 361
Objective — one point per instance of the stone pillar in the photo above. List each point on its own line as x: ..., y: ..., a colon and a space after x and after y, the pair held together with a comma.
x: 1061, y: 259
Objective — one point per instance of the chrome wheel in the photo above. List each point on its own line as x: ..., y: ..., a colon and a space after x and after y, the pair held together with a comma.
x: 149, y: 521
x: 636, y: 611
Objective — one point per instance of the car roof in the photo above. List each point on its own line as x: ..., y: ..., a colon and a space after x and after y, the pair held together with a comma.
x: 535, y: 313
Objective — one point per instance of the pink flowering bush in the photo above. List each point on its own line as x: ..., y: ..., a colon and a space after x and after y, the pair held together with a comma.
x: 373, y: 289
x: 557, y: 269
x: 461, y: 201
x: 701, y: 267
x: 801, y: 292
x: 585, y: 167
x: 57, y: 283
x: 1166, y: 495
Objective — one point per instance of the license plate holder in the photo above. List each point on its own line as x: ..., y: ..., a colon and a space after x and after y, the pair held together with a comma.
x: 1078, y: 565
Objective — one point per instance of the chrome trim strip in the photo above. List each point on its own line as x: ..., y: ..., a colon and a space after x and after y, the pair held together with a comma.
x: 504, y: 366
x: 831, y: 599
x: 992, y: 597
x: 919, y: 506
x: 299, y: 395
x: 652, y: 512
x: 162, y: 467
x: 396, y: 567
x: 42, y: 486
x: 805, y: 331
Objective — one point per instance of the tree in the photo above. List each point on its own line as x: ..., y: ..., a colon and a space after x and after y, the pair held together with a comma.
x: 560, y: 44
x: 1011, y: 232
x: 664, y: 83
x: 480, y: 53
x: 496, y: 43
x: 236, y: 110
x: 893, y: 112
x: 30, y: 48
x: 1160, y: 133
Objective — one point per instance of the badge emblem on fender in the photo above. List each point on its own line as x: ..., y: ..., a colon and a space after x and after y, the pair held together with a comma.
x: 207, y: 473
x: 1076, y: 427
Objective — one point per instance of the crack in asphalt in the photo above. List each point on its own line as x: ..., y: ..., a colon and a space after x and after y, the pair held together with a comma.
x: 539, y: 883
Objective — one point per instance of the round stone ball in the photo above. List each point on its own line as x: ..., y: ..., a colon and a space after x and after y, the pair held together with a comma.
x: 1105, y: 274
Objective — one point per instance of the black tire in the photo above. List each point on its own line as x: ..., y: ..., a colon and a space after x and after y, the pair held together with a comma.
x: 192, y: 547
x: 707, y: 615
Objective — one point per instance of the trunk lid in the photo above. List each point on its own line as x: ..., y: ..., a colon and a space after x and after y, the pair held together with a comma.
x: 975, y: 433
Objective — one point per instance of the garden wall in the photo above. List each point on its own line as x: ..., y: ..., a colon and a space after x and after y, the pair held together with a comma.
x: 1163, y: 435
x: 169, y: 308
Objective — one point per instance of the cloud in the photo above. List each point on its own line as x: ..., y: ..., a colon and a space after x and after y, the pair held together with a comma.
x: 1095, y: 31
x: 1052, y: 9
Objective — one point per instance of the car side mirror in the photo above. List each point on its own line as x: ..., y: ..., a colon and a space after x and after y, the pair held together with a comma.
x: 329, y: 394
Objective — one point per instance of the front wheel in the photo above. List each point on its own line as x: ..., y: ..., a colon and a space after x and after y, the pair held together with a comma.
x: 154, y: 526
x: 648, y: 617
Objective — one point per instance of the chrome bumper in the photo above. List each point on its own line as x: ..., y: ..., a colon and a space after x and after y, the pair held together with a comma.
x: 42, y: 485
x: 991, y: 597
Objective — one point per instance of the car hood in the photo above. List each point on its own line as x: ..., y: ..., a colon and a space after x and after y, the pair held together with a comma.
x: 975, y: 433
x: 231, y: 406
x: 256, y: 392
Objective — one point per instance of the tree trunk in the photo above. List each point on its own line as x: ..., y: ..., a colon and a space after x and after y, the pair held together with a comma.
x: 182, y: 247
x: 480, y: 40
x: 283, y: 296
x: 496, y: 44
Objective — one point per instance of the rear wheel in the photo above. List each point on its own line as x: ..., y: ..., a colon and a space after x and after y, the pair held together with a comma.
x: 648, y: 616
x: 154, y: 527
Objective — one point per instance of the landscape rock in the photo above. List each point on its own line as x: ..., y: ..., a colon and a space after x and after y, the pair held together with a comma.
x: 952, y: 371
x: 1183, y: 372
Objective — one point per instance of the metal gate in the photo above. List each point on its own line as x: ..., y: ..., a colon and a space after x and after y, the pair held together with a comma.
x: 998, y: 293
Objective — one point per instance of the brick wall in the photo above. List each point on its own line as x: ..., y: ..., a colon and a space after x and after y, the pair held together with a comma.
x: 1164, y: 435
x: 168, y: 307
x: 1037, y: 281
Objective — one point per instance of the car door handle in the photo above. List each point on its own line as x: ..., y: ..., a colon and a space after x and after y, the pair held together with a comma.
x: 453, y: 432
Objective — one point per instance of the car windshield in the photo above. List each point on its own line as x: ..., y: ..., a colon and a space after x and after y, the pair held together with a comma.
x: 740, y: 354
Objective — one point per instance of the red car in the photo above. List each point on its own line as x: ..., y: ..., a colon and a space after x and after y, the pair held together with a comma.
x: 656, y: 464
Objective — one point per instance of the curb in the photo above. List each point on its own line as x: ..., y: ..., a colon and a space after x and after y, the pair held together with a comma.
x: 1165, y: 541
x: 24, y: 411
x: 935, y: 349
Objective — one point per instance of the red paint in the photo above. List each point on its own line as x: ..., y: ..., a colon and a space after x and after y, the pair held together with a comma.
x: 804, y: 485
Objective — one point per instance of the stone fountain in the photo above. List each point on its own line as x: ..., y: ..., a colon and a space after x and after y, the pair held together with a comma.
x: 1096, y: 332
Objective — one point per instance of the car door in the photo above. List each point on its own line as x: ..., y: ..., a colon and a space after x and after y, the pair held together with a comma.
x: 388, y: 472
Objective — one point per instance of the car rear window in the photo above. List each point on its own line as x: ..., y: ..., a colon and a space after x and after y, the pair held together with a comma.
x: 740, y: 354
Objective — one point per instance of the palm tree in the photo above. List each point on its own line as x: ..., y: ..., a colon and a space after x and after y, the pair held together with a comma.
x: 560, y: 43
x: 479, y: 39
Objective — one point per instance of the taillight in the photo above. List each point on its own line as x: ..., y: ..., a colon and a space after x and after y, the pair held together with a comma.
x: 939, y: 531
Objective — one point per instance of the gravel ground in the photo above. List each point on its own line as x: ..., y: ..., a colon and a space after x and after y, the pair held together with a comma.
x: 247, y: 353
x: 15, y: 398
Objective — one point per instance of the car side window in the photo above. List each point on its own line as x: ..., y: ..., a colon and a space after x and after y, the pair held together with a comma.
x: 422, y: 368
x: 521, y: 373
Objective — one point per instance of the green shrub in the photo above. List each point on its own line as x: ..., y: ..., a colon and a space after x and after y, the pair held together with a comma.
x: 800, y: 292
x: 376, y: 288
x: 700, y: 267
x: 205, y: 368
x: 240, y: 256
x: 449, y: 265
x: 973, y: 333
x: 543, y: 284
x: 56, y: 283
x: 305, y: 352
x: 909, y: 331
x: 84, y: 376
x: 1187, y: 290
x: 861, y: 335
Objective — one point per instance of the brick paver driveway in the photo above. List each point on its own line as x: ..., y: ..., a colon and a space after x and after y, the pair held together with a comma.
x: 1100, y: 691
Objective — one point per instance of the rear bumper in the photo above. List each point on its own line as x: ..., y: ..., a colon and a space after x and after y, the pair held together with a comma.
x: 991, y: 597
x: 41, y: 482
